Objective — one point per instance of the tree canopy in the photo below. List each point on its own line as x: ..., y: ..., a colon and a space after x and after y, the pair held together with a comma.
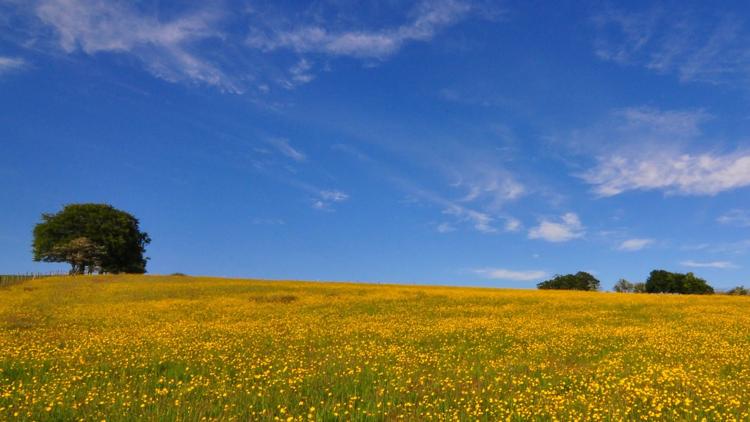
x: 578, y: 281
x: 92, y: 238
x: 624, y: 286
x: 660, y: 281
x: 739, y: 291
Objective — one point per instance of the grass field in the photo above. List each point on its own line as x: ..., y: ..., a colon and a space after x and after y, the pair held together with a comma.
x: 164, y: 348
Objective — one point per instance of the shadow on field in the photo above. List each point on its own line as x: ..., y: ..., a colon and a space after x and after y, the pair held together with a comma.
x: 274, y: 299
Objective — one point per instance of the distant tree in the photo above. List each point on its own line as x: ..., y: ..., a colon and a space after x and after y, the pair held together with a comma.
x: 91, y: 238
x: 739, y: 291
x: 624, y: 286
x: 578, y: 281
x: 660, y: 281
x: 639, y: 287
x: 694, y: 285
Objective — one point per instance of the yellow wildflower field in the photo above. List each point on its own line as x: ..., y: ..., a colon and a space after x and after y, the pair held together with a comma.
x: 183, y: 348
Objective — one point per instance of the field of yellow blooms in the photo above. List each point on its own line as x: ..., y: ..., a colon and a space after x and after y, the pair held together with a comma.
x: 182, y: 348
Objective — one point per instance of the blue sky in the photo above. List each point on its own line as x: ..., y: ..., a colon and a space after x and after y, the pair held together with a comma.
x: 448, y: 141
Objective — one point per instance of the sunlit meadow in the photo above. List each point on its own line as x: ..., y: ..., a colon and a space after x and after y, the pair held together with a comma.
x: 180, y: 348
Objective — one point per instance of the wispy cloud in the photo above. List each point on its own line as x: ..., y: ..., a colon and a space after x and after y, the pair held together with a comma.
x: 481, y: 210
x: 334, y: 195
x: 11, y: 64
x: 567, y: 227
x: 622, y: 34
x: 511, y: 275
x: 375, y: 43
x: 326, y: 199
x: 739, y: 247
x: 692, y: 45
x: 268, y: 221
x: 445, y: 228
x: 512, y: 224
x: 299, y: 74
x: 723, y: 265
x: 202, y: 43
x: 634, y: 244
x: 284, y: 147
x: 736, y: 217
x: 481, y: 221
x: 166, y: 48
x: 490, y: 184
x: 282, y: 170
x: 633, y: 129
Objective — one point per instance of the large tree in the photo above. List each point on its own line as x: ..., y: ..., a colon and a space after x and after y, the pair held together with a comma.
x: 92, y: 238
x: 578, y: 281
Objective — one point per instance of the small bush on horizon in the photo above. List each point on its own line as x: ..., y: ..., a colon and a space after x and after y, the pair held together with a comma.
x: 624, y: 286
x: 578, y: 281
x: 660, y: 281
x: 739, y: 291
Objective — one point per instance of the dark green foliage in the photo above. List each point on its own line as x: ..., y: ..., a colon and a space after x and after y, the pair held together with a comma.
x: 624, y: 286
x: 739, y: 291
x: 91, y: 237
x: 578, y: 281
x: 660, y: 281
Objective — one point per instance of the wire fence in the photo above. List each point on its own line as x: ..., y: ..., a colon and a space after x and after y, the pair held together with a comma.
x: 11, y: 279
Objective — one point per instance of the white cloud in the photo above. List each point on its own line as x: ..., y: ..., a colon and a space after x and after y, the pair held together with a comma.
x: 445, y: 228
x: 318, y: 204
x: 286, y: 148
x: 642, y: 148
x: 482, y: 221
x: 711, y: 49
x: 503, y: 274
x: 512, y: 224
x: 712, y: 264
x: 739, y: 247
x: 655, y: 123
x: 639, y: 131
x: 735, y: 217
x: 326, y: 199
x: 334, y: 195
x: 199, y: 42
x: 484, y: 187
x: 569, y: 227
x: 268, y: 221
x: 686, y: 174
x: 378, y: 43
x: 632, y: 33
x: 300, y: 74
x: 11, y: 64
x: 634, y: 244
x: 166, y: 48
x: 491, y: 184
